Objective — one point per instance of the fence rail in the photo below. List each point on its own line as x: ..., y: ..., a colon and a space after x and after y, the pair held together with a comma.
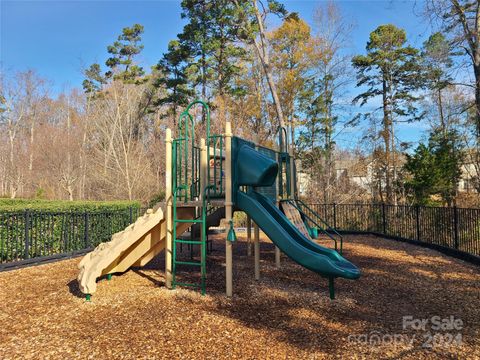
x: 33, y: 236
x: 450, y: 228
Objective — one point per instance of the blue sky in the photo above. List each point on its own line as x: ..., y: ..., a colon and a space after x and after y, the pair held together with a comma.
x: 59, y: 38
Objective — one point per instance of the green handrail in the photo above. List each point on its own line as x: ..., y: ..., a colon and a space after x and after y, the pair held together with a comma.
x: 328, y: 227
x: 292, y: 202
x: 318, y: 216
x: 183, y: 126
x: 207, y: 109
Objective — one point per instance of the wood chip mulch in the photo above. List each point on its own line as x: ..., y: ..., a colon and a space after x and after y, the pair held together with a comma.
x: 287, y: 314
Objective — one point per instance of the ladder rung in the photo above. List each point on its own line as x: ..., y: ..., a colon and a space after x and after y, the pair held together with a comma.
x: 187, y: 221
x: 190, y: 242
x: 188, y: 263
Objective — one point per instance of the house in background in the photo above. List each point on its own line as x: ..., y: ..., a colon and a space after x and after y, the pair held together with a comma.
x: 467, y: 181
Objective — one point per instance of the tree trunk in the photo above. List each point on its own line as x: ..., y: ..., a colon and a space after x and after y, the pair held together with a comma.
x: 262, y: 52
x: 386, y: 140
x: 440, y: 112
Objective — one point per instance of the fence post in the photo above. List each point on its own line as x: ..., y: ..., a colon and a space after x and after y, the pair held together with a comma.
x: 27, y: 235
x: 417, y: 218
x: 85, y: 221
x: 335, y: 216
x: 455, y: 227
x: 131, y: 214
x: 384, y: 219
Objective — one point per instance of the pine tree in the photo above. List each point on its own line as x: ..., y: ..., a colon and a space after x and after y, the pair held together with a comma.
x: 437, y: 62
x: 390, y: 70
x: 211, y: 37
x: 121, y: 65
x: 170, y: 75
x: 123, y: 51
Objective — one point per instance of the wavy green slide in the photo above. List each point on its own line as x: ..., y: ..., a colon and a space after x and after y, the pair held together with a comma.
x: 258, y: 170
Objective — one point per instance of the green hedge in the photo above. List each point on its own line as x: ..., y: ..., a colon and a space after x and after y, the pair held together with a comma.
x: 62, y: 205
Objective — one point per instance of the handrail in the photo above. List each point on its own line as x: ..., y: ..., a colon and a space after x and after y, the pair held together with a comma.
x: 328, y: 227
x: 183, y: 122
x: 316, y: 224
x: 205, y: 106
x: 319, y: 217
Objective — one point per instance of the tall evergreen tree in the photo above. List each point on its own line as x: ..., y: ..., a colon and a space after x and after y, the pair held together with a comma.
x: 122, y: 52
x: 437, y: 61
x: 120, y: 64
x: 170, y: 74
x: 390, y: 70
x: 211, y: 37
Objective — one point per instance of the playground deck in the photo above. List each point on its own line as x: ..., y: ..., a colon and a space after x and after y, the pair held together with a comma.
x: 286, y: 314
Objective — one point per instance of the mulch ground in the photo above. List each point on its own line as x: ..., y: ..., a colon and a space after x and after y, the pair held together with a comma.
x: 287, y: 314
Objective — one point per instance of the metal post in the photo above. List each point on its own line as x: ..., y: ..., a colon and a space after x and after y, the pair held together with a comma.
x: 417, y: 220
x: 249, y: 235
x: 27, y: 235
x: 131, y: 215
x: 256, y: 234
x: 85, y: 220
x: 455, y: 227
x: 169, y: 202
x: 228, y: 208
x: 278, y: 255
x: 384, y: 219
x: 292, y: 173
x: 335, y: 216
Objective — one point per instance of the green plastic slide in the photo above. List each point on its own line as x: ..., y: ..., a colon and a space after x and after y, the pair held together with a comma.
x: 253, y: 169
x: 293, y: 243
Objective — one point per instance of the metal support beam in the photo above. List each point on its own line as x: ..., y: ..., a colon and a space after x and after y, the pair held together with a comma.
x: 249, y: 235
x: 256, y: 234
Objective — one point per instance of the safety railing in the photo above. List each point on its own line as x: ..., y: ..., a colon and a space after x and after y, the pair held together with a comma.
x: 314, y: 220
x: 186, y: 170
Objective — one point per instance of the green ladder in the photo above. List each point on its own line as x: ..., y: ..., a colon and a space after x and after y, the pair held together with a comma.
x: 202, y: 264
x: 186, y: 181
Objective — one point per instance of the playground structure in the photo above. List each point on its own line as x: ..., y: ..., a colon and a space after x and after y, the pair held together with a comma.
x: 210, y: 179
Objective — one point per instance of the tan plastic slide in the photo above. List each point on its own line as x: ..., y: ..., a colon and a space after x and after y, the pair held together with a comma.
x: 139, y: 243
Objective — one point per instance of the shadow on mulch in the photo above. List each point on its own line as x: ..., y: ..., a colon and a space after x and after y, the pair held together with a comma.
x: 74, y: 289
x: 153, y: 280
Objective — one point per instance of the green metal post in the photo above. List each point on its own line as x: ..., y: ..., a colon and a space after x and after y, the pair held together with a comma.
x: 331, y: 287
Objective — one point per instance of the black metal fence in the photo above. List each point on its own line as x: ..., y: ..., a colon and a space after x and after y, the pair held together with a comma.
x: 454, y: 228
x: 33, y: 236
